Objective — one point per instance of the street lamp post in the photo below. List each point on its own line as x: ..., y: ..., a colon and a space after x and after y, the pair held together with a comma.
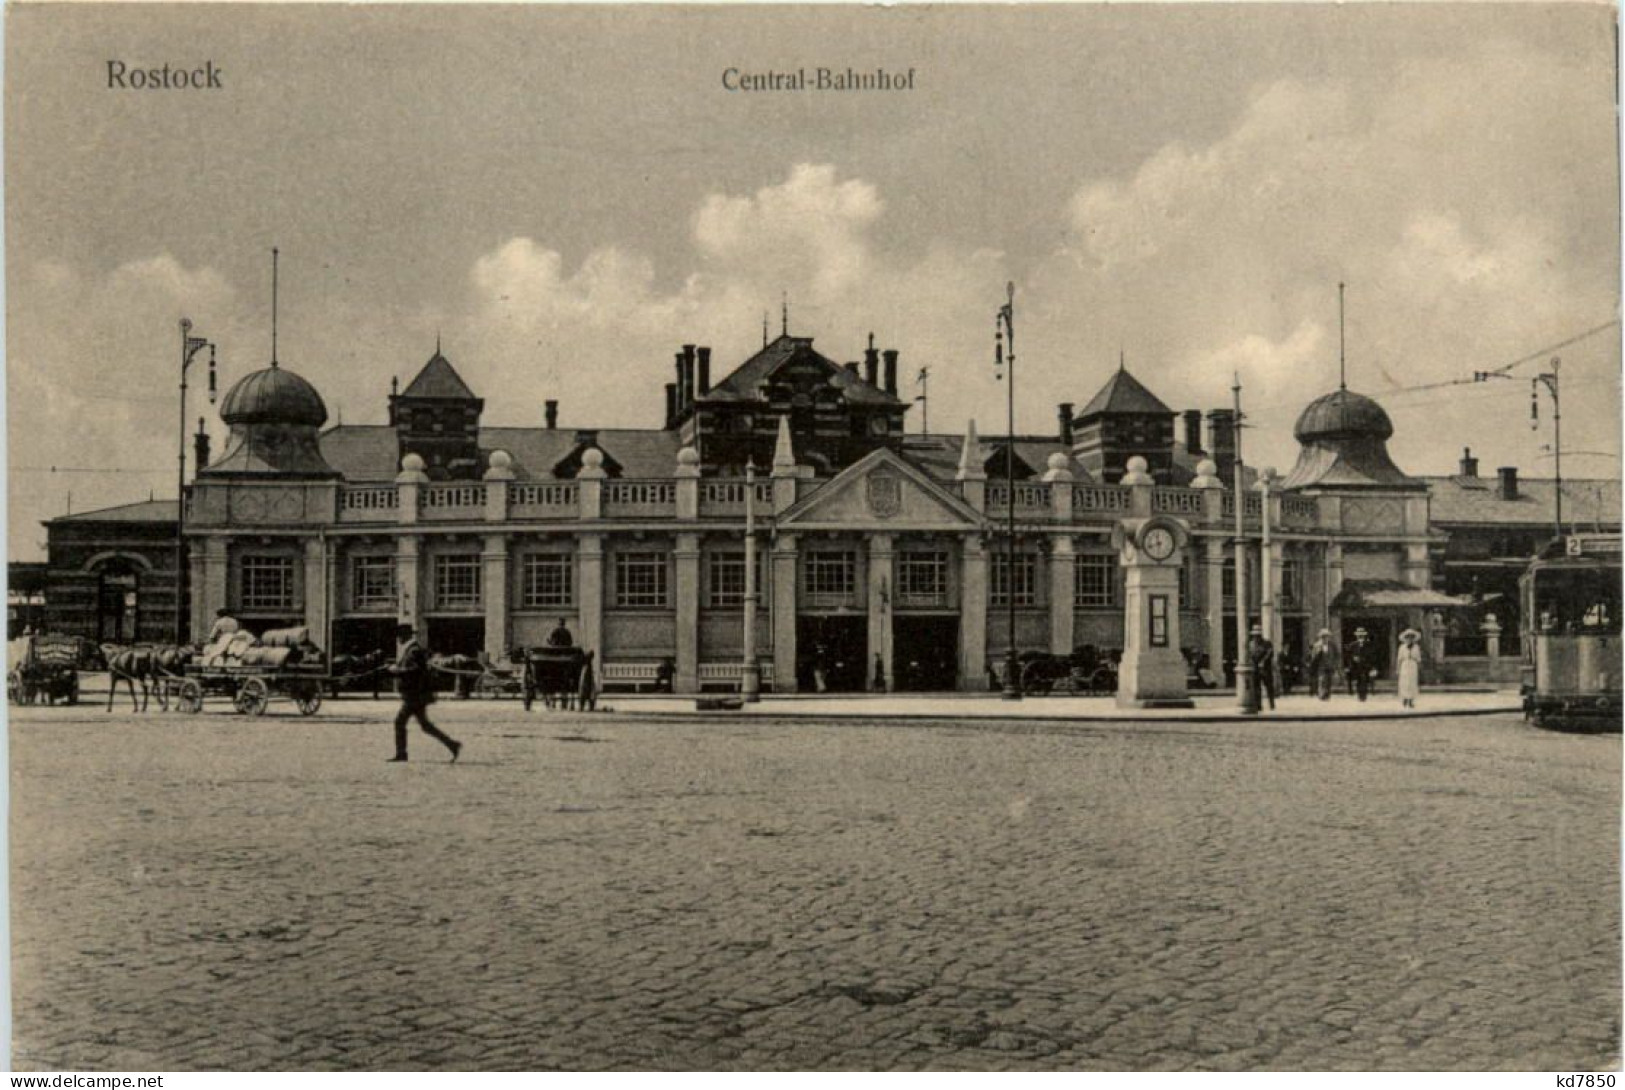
x: 190, y: 346
x: 1549, y: 380
x: 1246, y: 691
x: 1005, y: 353
x: 750, y: 681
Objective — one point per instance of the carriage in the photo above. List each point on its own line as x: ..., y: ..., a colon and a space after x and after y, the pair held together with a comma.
x: 1086, y: 670
x: 44, y: 669
x: 1571, y: 634
x: 251, y: 673
x: 551, y: 672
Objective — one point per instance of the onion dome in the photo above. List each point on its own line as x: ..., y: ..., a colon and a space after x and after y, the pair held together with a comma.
x: 1343, y: 415
x: 273, y: 396
x: 1343, y: 439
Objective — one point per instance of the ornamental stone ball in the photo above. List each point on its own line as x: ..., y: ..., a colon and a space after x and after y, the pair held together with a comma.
x: 412, y: 463
x: 501, y: 459
x: 1207, y: 474
x: 1137, y: 471
x: 592, y: 458
x: 688, y: 456
x: 1059, y: 461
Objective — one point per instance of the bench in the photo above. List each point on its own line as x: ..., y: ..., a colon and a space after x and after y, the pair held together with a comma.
x: 628, y: 676
x: 726, y: 676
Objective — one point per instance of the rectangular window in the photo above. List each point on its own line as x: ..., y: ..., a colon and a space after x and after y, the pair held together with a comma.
x: 640, y: 581
x: 922, y: 579
x: 1227, y: 581
x: 1095, y: 581
x: 372, y: 581
x: 267, y: 583
x: 1026, y: 579
x: 545, y: 582
x: 725, y: 585
x: 831, y: 574
x: 457, y: 581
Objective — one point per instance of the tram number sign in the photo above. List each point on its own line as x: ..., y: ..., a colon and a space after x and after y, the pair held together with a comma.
x: 1572, y: 546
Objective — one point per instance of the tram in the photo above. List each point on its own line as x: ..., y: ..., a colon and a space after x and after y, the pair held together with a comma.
x: 1571, y: 634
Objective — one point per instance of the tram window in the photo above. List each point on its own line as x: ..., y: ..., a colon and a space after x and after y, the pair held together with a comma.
x: 1579, y: 602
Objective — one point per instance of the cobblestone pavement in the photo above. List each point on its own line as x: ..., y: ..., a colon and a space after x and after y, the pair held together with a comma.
x: 585, y: 893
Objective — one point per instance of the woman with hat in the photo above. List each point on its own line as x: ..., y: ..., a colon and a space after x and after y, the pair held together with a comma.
x: 1409, y: 659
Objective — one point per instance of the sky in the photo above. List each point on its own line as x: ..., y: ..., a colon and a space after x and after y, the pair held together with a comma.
x: 565, y: 196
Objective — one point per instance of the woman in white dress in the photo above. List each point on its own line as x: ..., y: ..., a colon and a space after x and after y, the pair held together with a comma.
x: 1410, y: 666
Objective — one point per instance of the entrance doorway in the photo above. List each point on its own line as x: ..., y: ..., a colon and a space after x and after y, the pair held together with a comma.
x: 454, y: 635
x: 117, y: 602
x: 363, y: 635
x: 835, y: 649
x: 925, y: 654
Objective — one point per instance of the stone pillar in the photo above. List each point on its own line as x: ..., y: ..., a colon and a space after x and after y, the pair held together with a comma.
x: 784, y: 474
x: 495, y: 589
x: 408, y: 483
x: 687, y: 558
x: 1334, y: 580
x: 590, y: 591
x: 1214, y: 558
x: 590, y: 485
x: 1137, y: 476
x: 688, y: 484
x: 1418, y: 567
x: 497, y: 477
x: 881, y: 589
x: 1492, y: 637
x: 784, y: 612
x: 973, y: 593
x: 1063, y: 562
x: 317, y: 569
x: 1059, y: 478
x: 408, y: 584
x: 209, y: 579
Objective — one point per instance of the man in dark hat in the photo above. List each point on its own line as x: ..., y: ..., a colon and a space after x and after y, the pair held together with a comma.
x: 413, y: 682
x: 1261, y: 653
x: 1360, y: 659
x: 560, y: 636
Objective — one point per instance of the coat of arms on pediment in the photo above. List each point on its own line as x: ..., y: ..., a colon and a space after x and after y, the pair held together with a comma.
x: 885, y: 494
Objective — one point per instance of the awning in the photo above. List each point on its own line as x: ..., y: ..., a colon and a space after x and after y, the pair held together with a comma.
x: 1358, y: 594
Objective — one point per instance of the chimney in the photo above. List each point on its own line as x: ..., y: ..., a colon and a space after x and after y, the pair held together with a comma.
x: 1063, y: 413
x: 551, y: 413
x: 890, y: 356
x: 871, y: 363
x: 1509, y: 482
x: 1193, y: 432
x: 705, y: 370
x: 671, y: 405
x: 852, y: 369
x: 679, y: 384
x: 1221, y: 441
x: 200, y: 447
x: 688, y: 375
x: 1469, y: 464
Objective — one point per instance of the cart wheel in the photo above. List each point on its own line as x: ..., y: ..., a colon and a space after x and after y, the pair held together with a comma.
x: 253, y: 696
x: 190, y: 697
x: 309, y: 701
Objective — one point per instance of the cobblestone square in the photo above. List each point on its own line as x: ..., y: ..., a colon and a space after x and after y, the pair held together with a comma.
x: 603, y: 892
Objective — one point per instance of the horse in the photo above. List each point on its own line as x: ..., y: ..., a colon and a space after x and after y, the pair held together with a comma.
x: 351, y: 668
x: 150, y: 666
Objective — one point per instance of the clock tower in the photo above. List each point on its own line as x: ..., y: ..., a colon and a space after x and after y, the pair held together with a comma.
x: 1152, y: 674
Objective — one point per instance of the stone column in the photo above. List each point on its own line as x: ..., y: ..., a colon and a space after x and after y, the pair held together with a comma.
x: 1418, y: 566
x: 687, y: 476
x: 881, y: 589
x: 316, y: 579
x: 1214, y: 559
x: 497, y: 476
x: 687, y: 558
x: 590, y: 592
x: 495, y: 589
x: 784, y: 613
x: 408, y: 483
x: 1063, y: 563
x: 973, y: 592
x: 1334, y: 580
x: 209, y: 585
x: 590, y: 484
x: 408, y: 584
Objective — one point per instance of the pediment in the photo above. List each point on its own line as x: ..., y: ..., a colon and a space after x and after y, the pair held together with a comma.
x: 883, y: 492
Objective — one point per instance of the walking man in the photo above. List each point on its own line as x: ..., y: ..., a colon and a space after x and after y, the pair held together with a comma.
x: 412, y: 681
x: 1323, y: 664
x: 1361, y: 660
x: 1261, y: 652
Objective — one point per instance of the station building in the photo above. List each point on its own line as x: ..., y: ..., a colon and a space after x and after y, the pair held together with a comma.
x: 878, y: 551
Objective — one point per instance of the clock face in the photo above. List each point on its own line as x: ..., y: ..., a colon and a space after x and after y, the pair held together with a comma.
x: 1158, y: 543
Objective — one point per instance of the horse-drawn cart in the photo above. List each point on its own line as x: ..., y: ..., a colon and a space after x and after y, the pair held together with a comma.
x: 251, y: 673
x: 43, y: 669
x: 554, y: 673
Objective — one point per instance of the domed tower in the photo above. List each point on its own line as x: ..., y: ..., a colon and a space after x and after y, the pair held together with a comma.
x: 275, y: 417
x: 1344, y: 440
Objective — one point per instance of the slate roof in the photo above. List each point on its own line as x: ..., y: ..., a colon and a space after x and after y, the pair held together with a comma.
x: 366, y: 452
x: 938, y: 454
x: 144, y: 511
x: 1124, y: 394
x: 439, y: 379
x: 744, y: 383
x: 1468, y: 500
